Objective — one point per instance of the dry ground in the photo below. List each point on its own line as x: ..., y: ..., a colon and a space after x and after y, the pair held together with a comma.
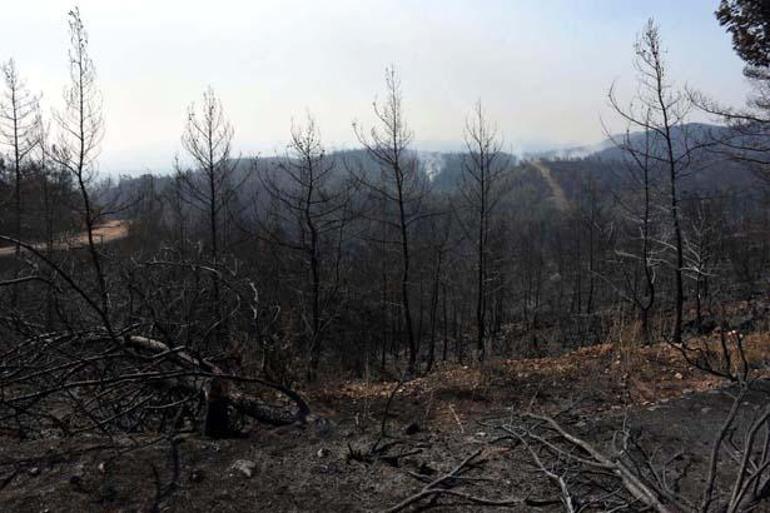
x: 309, y: 469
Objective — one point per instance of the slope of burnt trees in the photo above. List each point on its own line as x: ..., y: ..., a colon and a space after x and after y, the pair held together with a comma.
x: 242, y: 278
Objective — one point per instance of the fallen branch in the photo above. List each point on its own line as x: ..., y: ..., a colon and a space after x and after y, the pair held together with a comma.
x: 442, y: 486
x: 241, y: 402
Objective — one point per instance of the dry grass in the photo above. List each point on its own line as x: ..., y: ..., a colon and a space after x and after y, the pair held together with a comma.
x: 605, y: 377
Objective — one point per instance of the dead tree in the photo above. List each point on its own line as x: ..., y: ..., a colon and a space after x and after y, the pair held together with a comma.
x: 662, y: 111
x: 121, y: 351
x: 18, y: 121
x: 703, y: 235
x: 304, y: 186
x: 639, y: 206
x: 440, y: 239
x: 109, y: 375
x: 81, y: 127
x: 485, y: 172
x: 208, y: 186
x: 401, y: 187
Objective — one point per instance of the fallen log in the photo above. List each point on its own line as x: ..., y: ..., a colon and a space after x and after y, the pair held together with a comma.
x: 221, y: 391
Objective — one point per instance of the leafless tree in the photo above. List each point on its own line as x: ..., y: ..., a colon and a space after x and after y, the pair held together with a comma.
x: 441, y: 241
x: 81, y: 128
x: 662, y: 111
x: 402, y: 186
x: 703, y: 236
x: 209, y: 185
x: 303, y: 184
x: 484, y: 174
x: 640, y: 208
x: 18, y: 120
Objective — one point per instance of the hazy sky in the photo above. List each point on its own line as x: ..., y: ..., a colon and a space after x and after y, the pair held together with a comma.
x: 541, y: 67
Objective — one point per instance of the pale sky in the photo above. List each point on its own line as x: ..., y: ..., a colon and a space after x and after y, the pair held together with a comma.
x: 541, y: 67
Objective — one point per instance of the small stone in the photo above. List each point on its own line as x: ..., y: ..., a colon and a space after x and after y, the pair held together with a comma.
x: 102, y: 467
x: 705, y: 410
x: 678, y: 375
x: 245, y: 467
x: 323, y: 427
x: 322, y: 452
x: 34, y: 471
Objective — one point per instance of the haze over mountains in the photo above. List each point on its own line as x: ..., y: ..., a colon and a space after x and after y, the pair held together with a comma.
x: 432, y: 150
x: 603, y: 163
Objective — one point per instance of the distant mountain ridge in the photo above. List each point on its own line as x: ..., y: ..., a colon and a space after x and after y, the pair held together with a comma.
x: 603, y: 163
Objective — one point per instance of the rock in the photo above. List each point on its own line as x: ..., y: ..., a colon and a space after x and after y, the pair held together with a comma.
x: 34, y: 471
x: 322, y: 452
x: 245, y: 467
x: 678, y: 375
x: 323, y: 427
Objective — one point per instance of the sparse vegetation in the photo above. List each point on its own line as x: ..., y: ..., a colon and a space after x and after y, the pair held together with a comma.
x: 369, y: 330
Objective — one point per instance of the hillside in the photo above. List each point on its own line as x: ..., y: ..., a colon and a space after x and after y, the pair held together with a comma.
x: 328, y: 296
x: 431, y: 424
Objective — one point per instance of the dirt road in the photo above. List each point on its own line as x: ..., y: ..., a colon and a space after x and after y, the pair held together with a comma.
x: 557, y: 193
x: 107, y: 232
